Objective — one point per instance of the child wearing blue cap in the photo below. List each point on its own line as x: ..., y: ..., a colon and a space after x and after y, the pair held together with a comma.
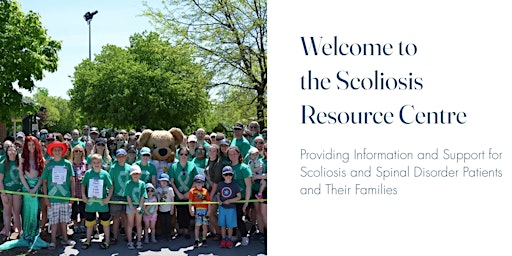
x: 228, y: 193
x: 165, y: 211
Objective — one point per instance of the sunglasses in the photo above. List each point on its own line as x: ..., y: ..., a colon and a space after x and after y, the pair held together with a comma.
x: 78, y: 151
x: 66, y: 139
x: 183, y: 154
x: 120, y: 140
x: 227, y: 174
x: 258, y: 142
x: 199, y: 182
x: 151, y: 190
x: 200, y: 151
x: 100, y: 144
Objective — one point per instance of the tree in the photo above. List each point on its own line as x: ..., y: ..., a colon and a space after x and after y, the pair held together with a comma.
x: 26, y: 51
x: 231, y: 38
x: 150, y: 83
x: 57, y: 116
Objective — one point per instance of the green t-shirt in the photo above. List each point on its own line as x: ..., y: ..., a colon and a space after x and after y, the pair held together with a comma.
x: 242, y: 144
x: 242, y: 171
x: 135, y: 190
x: 183, y: 177
x: 147, y: 171
x: 73, y: 144
x: 58, y: 175
x: 120, y: 175
x: 200, y: 163
x: 103, y: 181
x: 11, y: 176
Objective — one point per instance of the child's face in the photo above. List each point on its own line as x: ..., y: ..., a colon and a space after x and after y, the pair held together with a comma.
x: 199, y: 184
x: 254, y: 156
x: 150, y: 191
x: 135, y: 176
x: 163, y: 183
x: 96, y: 163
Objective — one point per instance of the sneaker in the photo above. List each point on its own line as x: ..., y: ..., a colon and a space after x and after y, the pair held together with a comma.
x: 146, y: 240
x: 130, y: 246
x: 229, y: 244
x: 196, y: 244
x: 245, y: 241
x: 223, y: 243
x: 138, y: 245
x: 153, y: 240
x: 204, y: 243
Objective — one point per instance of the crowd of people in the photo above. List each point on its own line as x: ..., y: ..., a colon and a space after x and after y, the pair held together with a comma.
x: 215, y: 188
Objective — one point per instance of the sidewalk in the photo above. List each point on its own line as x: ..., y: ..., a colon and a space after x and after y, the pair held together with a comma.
x: 179, y: 246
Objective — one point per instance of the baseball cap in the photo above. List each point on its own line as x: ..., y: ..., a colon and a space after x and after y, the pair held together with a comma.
x: 165, y: 177
x: 145, y: 151
x: 199, y: 177
x: 20, y: 134
x: 132, y: 149
x: 149, y: 185
x: 227, y: 169
x: 94, y: 130
x: 135, y: 169
x: 192, y: 138
x: 121, y: 151
x: 224, y: 142
x: 43, y: 131
x: 238, y: 126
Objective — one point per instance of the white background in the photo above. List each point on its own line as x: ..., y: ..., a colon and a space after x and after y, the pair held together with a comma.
x: 464, y: 59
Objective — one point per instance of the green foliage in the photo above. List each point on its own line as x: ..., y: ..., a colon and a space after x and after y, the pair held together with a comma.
x: 152, y: 83
x: 58, y: 116
x: 26, y: 51
x: 231, y: 40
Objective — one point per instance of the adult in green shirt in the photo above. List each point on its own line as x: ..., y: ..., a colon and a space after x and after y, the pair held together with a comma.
x: 182, y: 175
x: 239, y: 140
x: 242, y: 177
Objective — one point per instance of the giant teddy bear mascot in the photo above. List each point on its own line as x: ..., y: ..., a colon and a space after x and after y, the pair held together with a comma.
x: 163, y: 149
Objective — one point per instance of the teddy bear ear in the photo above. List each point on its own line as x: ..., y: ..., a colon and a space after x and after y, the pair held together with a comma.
x: 144, y: 137
x: 177, y: 134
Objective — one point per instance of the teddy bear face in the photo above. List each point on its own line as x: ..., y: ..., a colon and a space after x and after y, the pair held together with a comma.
x: 162, y: 143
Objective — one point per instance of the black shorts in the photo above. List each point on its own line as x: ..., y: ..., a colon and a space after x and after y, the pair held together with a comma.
x: 91, y: 216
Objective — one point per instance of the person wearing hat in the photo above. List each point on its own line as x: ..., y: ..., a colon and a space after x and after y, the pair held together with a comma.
x: 135, y: 194
x: 120, y: 173
x: 192, y: 144
x: 239, y: 140
x: 150, y: 214
x: 224, y: 145
x: 227, y: 193
x: 165, y: 211
x: 58, y: 180
x: 132, y: 154
x: 198, y: 196
x: 148, y: 168
x: 20, y: 136
x: 97, y: 185
x: 94, y: 133
x: 243, y: 177
x: 182, y: 175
